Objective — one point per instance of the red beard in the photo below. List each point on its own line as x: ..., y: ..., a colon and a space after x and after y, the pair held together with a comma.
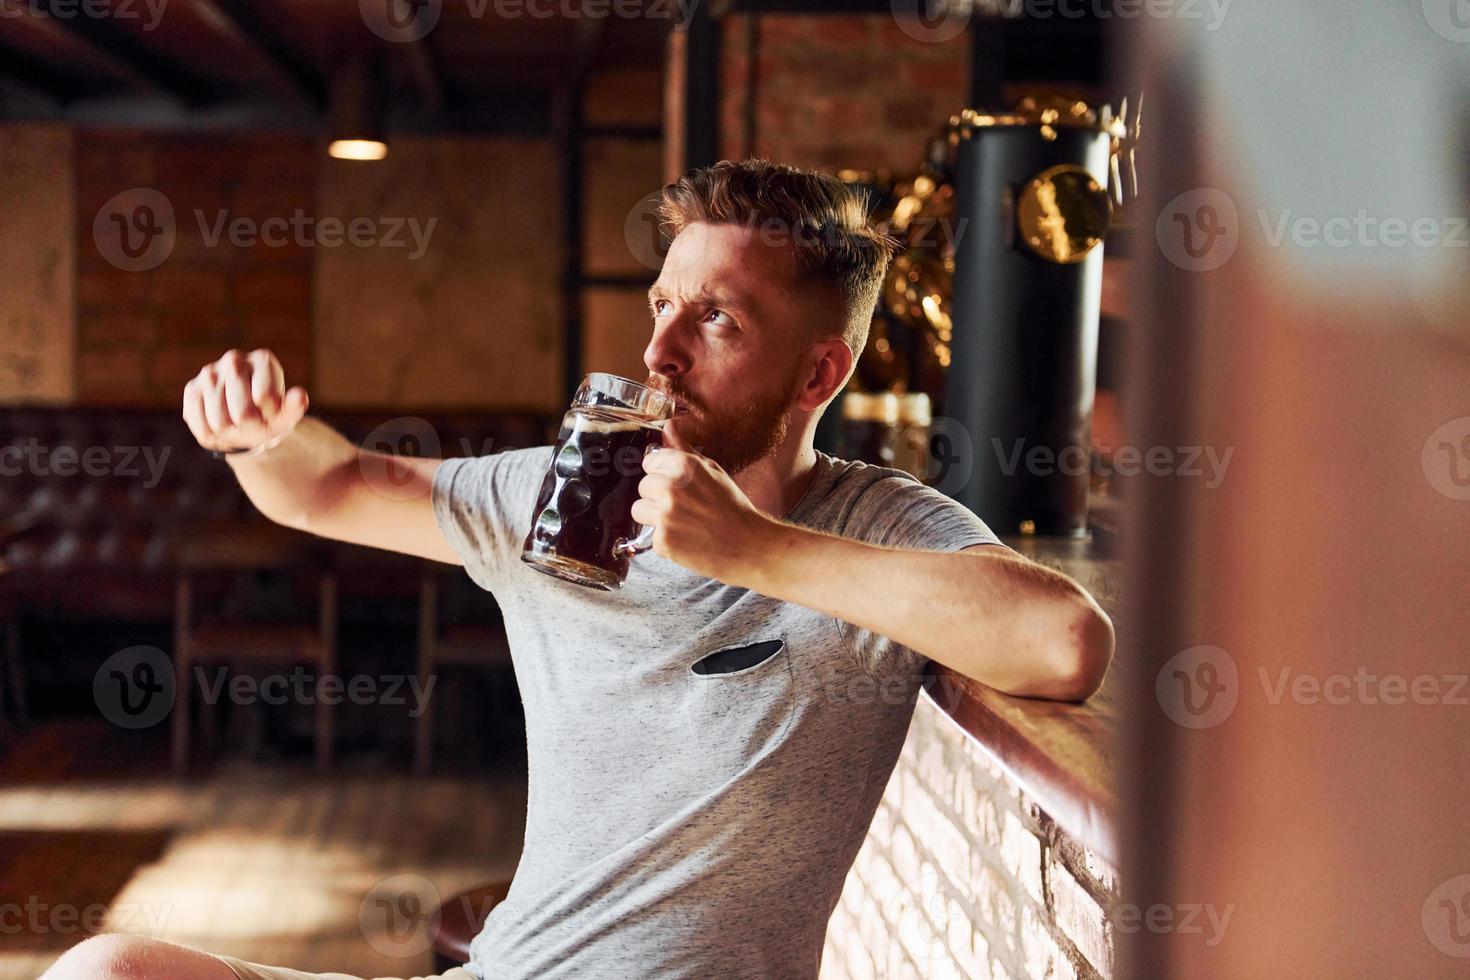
x: 735, y: 437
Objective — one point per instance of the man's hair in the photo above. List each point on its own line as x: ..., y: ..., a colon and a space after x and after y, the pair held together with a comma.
x: 824, y: 220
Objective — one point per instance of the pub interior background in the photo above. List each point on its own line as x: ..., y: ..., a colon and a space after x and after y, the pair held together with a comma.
x: 1265, y: 378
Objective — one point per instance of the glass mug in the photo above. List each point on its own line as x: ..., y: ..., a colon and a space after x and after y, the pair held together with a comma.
x: 583, y: 530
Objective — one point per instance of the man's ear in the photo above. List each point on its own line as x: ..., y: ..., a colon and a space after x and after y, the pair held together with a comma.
x: 831, y: 364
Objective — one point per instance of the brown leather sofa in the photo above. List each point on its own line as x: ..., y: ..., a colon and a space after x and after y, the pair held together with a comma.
x: 93, y: 501
x: 96, y: 501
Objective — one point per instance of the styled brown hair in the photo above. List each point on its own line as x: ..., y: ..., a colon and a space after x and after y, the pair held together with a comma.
x: 824, y: 220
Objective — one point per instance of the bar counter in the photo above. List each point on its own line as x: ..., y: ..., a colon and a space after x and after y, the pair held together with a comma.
x: 993, y: 850
x: 1062, y: 754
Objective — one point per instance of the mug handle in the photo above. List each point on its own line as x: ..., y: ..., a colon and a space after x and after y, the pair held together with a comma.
x: 628, y: 547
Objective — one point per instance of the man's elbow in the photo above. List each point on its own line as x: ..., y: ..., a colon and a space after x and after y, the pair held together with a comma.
x: 1082, y: 654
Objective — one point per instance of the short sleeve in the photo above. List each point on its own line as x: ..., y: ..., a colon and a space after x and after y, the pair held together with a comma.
x: 900, y: 512
x: 483, y: 508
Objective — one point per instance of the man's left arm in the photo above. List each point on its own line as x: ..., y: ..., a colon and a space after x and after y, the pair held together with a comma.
x: 984, y: 611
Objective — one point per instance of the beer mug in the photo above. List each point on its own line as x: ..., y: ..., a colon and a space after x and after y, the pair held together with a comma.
x: 583, y: 529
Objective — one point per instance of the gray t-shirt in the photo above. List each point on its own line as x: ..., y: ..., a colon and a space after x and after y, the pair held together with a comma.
x: 683, y: 822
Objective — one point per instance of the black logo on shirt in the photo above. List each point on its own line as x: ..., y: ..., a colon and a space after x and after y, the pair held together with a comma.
x: 736, y: 659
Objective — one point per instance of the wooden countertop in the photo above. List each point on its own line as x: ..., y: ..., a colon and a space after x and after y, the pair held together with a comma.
x: 1061, y: 754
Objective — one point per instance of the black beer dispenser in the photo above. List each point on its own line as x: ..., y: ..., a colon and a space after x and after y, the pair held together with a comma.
x: 1031, y: 209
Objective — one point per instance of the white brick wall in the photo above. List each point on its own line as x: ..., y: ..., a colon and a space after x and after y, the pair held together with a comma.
x: 962, y: 877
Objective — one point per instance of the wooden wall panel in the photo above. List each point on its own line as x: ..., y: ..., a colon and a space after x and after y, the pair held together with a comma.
x: 37, y: 264
x: 474, y: 321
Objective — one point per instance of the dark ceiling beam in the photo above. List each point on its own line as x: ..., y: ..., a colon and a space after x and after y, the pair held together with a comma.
x: 247, y: 21
x: 225, y: 24
x: 42, y: 77
x: 71, y: 55
x: 118, y: 45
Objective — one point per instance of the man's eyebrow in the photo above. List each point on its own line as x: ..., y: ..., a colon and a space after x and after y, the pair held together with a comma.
x: 705, y: 297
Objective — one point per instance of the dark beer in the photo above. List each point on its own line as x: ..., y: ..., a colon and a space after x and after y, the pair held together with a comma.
x: 584, y: 511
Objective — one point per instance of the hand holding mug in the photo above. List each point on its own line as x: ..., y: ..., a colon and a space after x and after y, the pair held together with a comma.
x: 701, y: 518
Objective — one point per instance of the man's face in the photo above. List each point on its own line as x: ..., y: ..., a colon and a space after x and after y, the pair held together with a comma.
x: 731, y: 342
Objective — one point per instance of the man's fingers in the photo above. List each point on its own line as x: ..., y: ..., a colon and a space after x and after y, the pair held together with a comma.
x: 655, y: 486
x: 671, y: 462
x: 194, y: 412
x: 216, y: 412
x: 646, y: 512
x: 240, y: 400
x: 237, y: 388
x: 267, y: 382
x: 293, y: 410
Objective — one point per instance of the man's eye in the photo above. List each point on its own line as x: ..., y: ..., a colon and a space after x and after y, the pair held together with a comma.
x: 660, y: 307
x: 723, y: 317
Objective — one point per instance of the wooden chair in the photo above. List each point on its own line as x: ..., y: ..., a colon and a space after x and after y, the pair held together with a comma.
x: 450, y: 645
x: 460, y: 921
x: 213, y: 551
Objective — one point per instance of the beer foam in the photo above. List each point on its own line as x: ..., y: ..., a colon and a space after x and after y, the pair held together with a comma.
x: 610, y: 420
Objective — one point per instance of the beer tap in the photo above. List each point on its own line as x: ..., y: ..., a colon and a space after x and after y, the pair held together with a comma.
x: 1123, y: 165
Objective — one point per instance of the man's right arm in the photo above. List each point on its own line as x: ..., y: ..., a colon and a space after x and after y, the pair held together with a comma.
x: 310, y: 477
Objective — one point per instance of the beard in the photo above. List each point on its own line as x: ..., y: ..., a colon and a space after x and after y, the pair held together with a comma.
x: 735, y: 436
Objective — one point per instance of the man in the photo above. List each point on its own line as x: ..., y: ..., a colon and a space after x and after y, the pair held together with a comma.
x: 708, y: 744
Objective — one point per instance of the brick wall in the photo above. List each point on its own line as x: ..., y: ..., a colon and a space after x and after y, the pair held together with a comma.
x: 962, y: 876
x: 472, y: 320
x: 835, y: 91
x: 142, y: 333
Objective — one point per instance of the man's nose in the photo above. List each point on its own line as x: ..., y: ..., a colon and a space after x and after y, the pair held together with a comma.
x: 666, y: 353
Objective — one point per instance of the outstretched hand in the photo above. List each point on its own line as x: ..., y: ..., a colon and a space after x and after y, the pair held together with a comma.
x: 240, y: 402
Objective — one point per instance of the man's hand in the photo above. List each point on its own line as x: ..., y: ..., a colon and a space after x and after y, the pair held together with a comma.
x: 240, y: 402
x: 702, y: 520
x: 315, y: 481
